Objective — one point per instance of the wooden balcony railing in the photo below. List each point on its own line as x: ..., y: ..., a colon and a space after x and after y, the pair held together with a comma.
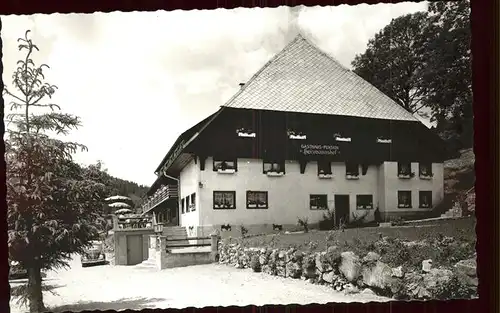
x: 162, y: 194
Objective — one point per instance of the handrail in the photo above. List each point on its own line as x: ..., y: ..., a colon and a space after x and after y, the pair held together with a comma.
x: 189, y: 238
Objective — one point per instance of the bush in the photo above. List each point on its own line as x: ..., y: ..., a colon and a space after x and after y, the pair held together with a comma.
x: 455, y: 289
x: 328, y: 221
x: 243, y: 231
x: 255, y: 263
x: 303, y: 222
x: 398, y: 221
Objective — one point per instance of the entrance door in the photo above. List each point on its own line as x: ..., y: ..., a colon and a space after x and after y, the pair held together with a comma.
x: 134, y: 249
x: 341, y: 209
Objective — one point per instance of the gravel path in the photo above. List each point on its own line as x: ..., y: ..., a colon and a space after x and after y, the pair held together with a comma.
x: 130, y: 287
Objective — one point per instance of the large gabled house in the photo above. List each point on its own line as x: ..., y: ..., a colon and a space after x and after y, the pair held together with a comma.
x: 302, y: 136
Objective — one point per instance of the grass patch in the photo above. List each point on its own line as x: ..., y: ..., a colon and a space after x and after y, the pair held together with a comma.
x: 435, y: 234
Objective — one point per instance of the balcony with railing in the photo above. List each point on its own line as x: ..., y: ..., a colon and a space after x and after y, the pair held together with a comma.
x: 163, y: 193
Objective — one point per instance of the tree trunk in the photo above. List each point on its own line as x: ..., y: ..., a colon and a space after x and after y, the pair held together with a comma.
x: 35, y: 290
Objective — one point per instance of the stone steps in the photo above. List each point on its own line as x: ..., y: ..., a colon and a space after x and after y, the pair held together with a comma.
x: 147, y: 264
x: 176, y: 232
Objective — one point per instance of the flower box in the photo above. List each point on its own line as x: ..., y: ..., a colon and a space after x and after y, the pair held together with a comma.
x: 382, y: 140
x: 297, y: 137
x: 252, y: 205
x: 343, y: 139
x: 406, y: 176
x: 426, y: 176
x: 404, y: 206
x: 245, y: 134
x: 275, y: 174
x: 226, y: 171
x: 352, y: 177
x: 325, y: 176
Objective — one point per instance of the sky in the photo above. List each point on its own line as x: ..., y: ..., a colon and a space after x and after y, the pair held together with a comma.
x: 138, y: 80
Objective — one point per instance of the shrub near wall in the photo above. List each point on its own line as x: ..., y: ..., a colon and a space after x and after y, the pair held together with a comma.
x: 349, y: 271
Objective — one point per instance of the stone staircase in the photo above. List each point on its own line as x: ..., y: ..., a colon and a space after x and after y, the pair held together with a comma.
x: 171, y: 232
x: 176, y: 232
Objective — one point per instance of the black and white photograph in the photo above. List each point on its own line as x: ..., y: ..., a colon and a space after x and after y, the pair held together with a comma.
x: 235, y: 157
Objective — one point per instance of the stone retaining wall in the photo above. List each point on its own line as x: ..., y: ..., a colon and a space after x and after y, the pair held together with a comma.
x: 345, y: 271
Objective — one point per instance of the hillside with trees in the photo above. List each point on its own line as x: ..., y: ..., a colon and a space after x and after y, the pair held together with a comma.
x: 423, y: 62
x: 122, y: 187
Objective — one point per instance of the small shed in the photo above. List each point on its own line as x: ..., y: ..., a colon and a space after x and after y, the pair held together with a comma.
x: 131, y: 244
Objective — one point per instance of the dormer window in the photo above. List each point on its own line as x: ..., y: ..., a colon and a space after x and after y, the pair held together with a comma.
x: 245, y: 132
x: 404, y: 170
x: 339, y: 137
x: 325, y: 169
x: 225, y: 166
x: 384, y: 140
x: 296, y: 135
x: 274, y: 168
x: 425, y: 170
x: 352, y: 170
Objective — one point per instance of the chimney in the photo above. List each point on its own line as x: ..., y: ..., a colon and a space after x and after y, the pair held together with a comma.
x: 242, y: 84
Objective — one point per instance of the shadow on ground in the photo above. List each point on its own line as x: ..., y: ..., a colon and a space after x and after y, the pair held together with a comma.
x: 122, y: 304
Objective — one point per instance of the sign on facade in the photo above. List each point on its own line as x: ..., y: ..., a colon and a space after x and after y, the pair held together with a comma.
x: 309, y: 149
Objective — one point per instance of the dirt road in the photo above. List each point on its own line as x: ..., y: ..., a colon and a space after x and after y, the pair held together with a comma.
x: 131, y: 287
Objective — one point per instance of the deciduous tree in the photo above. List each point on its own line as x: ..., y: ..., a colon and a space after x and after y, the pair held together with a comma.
x: 394, y: 60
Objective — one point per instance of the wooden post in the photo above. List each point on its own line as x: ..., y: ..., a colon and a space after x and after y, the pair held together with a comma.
x: 115, y: 221
x: 214, y: 253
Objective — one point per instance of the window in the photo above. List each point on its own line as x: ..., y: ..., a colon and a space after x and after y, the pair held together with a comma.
x: 318, y: 202
x: 224, y: 200
x: 425, y: 170
x: 183, y: 206
x: 257, y: 200
x: 276, y: 167
x: 404, y: 199
x: 364, y: 202
x: 425, y: 199
x: 324, y: 168
x: 193, y: 202
x: 188, y: 206
x: 352, y: 170
x: 224, y: 166
x: 404, y: 170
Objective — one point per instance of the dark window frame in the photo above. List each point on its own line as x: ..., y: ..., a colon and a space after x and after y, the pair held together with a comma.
x: 348, y: 169
x: 233, y: 193
x: 257, y: 205
x: 401, y: 172
x: 216, y: 168
x: 322, y: 202
x: 421, y: 166
x: 402, y: 205
x: 193, y: 201
x: 281, y: 163
x: 421, y: 194
x: 183, y: 206
x: 322, y: 164
x: 187, y: 203
x: 364, y: 205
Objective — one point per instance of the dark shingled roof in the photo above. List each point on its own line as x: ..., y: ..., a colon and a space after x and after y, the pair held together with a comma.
x: 302, y: 78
